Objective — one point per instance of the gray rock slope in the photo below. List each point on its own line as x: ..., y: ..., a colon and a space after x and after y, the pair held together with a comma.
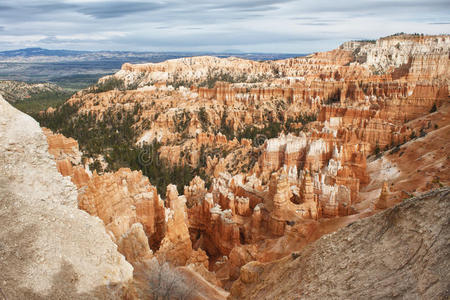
x: 400, y: 253
x: 49, y: 249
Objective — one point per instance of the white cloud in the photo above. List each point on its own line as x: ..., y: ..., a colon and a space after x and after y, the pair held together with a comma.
x: 98, y: 36
x: 23, y: 39
x: 255, y: 25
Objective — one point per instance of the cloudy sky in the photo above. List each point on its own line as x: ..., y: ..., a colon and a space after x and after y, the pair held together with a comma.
x: 286, y: 26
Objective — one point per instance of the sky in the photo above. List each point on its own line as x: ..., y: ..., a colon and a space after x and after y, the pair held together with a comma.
x: 286, y: 26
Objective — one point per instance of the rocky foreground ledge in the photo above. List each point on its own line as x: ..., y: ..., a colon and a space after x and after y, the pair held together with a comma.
x: 49, y: 249
x: 402, y: 252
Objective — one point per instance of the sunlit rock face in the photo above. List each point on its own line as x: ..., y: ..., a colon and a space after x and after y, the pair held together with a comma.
x: 122, y: 199
x: 67, y: 155
x: 140, y: 222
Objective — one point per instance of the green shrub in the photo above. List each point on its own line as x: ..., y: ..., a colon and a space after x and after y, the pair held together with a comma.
x: 433, y: 108
x: 203, y: 118
x: 182, y: 121
x: 109, y: 84
x: 96, y: 165
x: 214, y: 76
x: 377, y: 149
x: 422, y: 132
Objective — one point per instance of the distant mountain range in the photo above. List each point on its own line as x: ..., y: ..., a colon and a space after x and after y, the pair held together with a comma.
x: 10, y: 55
x: 28, y: 52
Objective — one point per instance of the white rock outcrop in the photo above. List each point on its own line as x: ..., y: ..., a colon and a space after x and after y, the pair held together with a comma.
x: 48, y: 247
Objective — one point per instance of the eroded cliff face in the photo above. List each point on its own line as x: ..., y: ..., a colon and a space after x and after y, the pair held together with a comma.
x: 121, y: 200
x: 291, y: 150
x: 415, y: 167
x: 67, y: 155
x: 45, y: 251
x: 417, y: 55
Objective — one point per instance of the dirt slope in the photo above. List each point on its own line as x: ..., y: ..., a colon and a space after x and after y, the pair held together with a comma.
x: 402, y: 252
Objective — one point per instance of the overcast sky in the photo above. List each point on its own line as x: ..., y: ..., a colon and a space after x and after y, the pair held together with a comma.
x: 286, y: 26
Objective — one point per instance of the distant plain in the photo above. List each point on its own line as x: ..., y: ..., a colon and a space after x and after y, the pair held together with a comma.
x: 75, y: 70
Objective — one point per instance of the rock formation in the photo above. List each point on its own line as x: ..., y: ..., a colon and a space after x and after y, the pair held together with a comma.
x: 176, y: 246
x: 45, y: 250
x: 400, y: 252
x: 282, y: 152
x: 126, y: 201
x: 67, y: 155
x: 141, y: 223
x: 381, y: 203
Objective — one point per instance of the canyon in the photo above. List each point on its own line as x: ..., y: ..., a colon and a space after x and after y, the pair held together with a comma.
x: 282, y: 162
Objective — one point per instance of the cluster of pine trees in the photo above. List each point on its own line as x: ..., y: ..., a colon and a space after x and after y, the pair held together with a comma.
x: 114, y: 137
